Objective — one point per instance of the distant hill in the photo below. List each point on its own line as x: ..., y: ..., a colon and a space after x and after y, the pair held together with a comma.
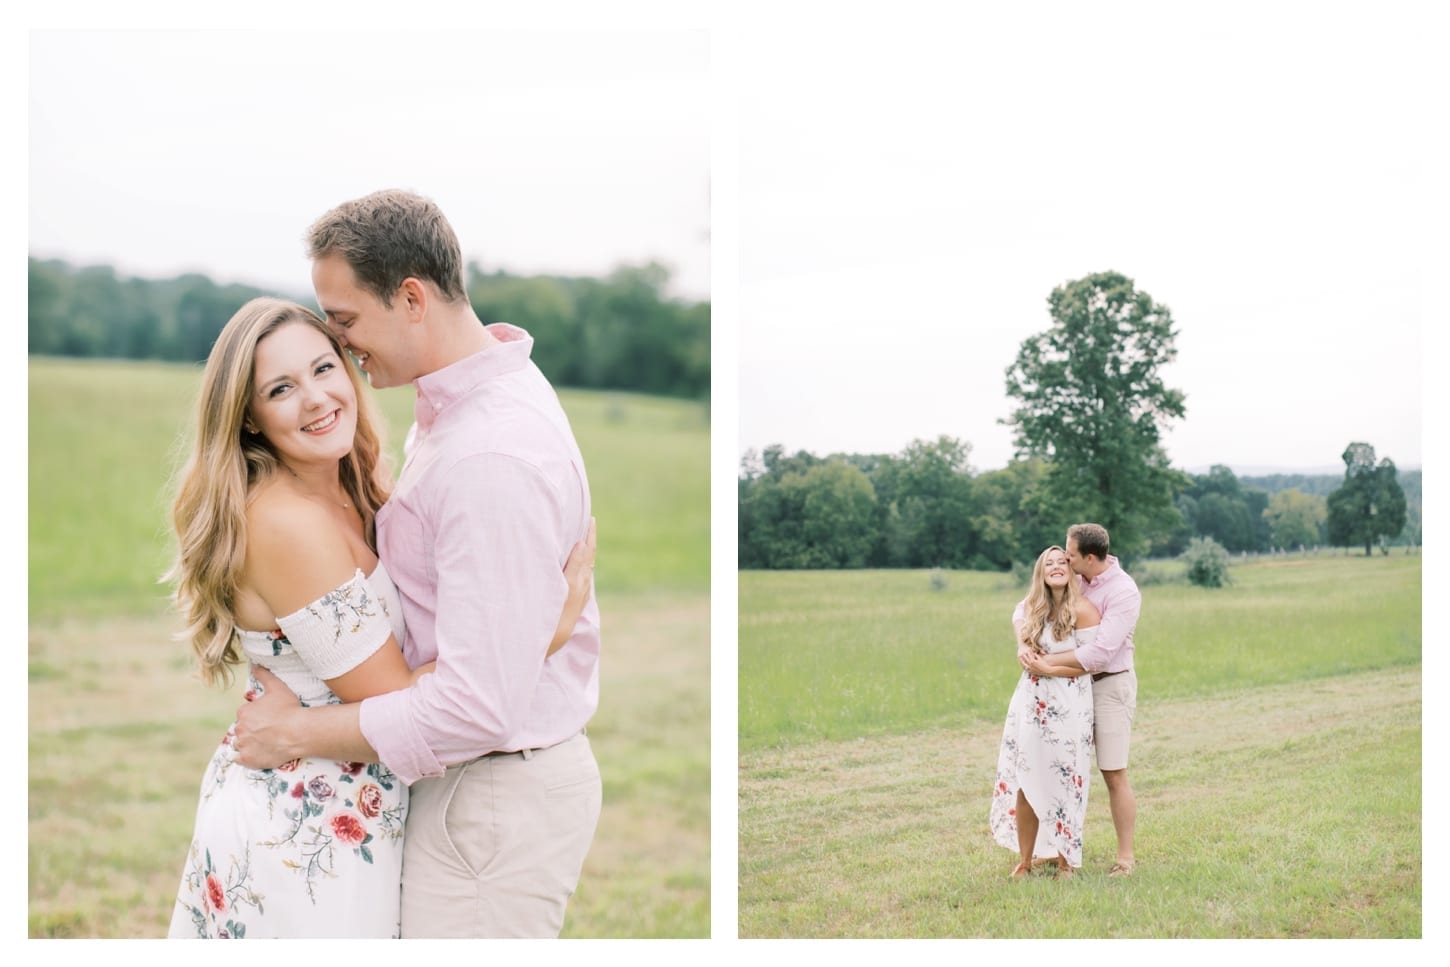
x: 1326, y: 470
x: 1324, y: 484
x: 1274, y: 471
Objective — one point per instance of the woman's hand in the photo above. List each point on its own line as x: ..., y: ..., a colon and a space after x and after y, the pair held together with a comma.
x: 579, y: 574
x: 1036, y: 665
x: 1025, y: 654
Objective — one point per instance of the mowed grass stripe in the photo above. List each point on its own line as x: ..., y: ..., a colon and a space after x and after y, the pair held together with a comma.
x: 1278, y: 811
x: 842, y: 654
x: 114, y: 773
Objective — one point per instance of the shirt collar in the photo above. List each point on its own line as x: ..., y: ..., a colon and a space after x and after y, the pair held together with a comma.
x: 1107, y: 573
x: 442, y: 388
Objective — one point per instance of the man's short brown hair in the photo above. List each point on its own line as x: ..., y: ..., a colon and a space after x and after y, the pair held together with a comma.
x: 1090, y: 539
x: 388, y: 236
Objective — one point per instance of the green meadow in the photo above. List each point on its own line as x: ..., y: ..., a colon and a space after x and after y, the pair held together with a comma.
x: 120, y: 727
x: 1276, y: 759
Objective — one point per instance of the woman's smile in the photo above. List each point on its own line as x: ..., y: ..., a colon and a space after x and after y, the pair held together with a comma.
x: 323, y: 425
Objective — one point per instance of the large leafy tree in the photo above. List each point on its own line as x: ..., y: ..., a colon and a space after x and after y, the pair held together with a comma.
x: 1370, y: 505
x: 1092, y: 403
x: 1296, y: 519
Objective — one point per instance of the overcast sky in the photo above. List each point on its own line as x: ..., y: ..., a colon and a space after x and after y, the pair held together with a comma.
x: 163, y: 151
x: 910, y: 198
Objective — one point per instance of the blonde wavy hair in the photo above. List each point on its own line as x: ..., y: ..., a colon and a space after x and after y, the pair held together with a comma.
x: 1046, y: 605
x: 226, y: 464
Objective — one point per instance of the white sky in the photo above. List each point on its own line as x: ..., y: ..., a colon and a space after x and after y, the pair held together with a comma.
x: 161, y: 151
x: 910, y: 197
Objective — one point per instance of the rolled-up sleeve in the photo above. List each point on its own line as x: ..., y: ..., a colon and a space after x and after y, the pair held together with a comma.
x: 499, y: 549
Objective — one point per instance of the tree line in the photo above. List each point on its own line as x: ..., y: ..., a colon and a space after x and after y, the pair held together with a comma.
x: 616, y: 332
x: 927, y: 507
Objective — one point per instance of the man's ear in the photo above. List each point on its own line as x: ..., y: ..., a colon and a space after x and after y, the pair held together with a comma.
x: 415, y: 298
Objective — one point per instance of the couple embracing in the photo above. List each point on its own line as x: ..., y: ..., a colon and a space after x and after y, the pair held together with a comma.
x: 1076, y: 697
x: 411, y: 759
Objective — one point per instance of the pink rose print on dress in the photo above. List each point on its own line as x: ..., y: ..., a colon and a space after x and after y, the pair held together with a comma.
x: 370, y: 801
x: 216, y: 896
x: 348, y: 828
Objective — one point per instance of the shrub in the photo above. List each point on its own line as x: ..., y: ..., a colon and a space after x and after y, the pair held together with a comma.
x: 1207, y: 563
x: 938, y: 580
x: 1148, y: 573
x: 1021, y: 573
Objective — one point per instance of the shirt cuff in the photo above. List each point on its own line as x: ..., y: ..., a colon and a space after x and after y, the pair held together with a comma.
x: 1089, y: 657
x: 389, y: 729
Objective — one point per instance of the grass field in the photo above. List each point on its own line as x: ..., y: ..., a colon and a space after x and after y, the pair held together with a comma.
x: 120, y: 729
x: 1276, y: 760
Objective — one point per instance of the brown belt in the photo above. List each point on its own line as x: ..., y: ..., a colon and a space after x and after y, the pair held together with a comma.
x: 1101, y: 675
x: 526, y: 753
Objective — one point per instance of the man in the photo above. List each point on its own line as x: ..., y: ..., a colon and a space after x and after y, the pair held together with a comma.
x: 1109, y: 658
x: 504, y: 788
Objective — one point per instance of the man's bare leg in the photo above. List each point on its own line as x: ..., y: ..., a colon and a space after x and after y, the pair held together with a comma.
x: 1124, y: 808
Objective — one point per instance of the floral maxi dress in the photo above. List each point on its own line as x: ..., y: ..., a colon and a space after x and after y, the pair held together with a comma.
x: 313, y: 848
x: 1047, y: 753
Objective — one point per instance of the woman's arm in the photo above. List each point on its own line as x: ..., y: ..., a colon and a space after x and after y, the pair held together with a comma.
x: 1064, y: 664
x: 1025, y: 651
x: 293, y: 574
x: 1057, y: 664
x: 579, y: 573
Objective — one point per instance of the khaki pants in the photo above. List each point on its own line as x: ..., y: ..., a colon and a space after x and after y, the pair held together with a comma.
x: 495, y: 845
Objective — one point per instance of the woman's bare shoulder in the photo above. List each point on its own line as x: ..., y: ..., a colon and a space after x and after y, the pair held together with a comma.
x: 275, y: 511
x: 285, y: 528
x: 1087, y: 614
x: 296, y: 551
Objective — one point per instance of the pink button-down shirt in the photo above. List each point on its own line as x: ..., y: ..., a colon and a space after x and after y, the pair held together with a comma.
x: 1118, y: 600
x: 491, y: 499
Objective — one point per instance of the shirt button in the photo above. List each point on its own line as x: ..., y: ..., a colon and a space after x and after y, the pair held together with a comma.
x: 437, y: 407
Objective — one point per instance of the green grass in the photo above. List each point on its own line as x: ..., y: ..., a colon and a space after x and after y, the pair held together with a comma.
x: 106, y: 439
x: 120, y: 729
x: 1276, y: 760
x: 1281, y: 811
x: 841, y: 654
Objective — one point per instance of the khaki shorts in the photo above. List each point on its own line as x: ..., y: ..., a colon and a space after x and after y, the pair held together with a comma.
x: 1115, y: 698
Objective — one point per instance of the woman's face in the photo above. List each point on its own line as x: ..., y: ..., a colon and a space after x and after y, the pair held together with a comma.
x: 303, y: 401
x: 1055, y: 569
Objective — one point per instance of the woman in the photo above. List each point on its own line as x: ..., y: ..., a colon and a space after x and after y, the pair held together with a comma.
x: 1043, y: 769
x: 277, y: 566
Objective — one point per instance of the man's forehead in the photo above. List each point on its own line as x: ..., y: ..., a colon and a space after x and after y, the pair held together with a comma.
x: 332, y: 306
